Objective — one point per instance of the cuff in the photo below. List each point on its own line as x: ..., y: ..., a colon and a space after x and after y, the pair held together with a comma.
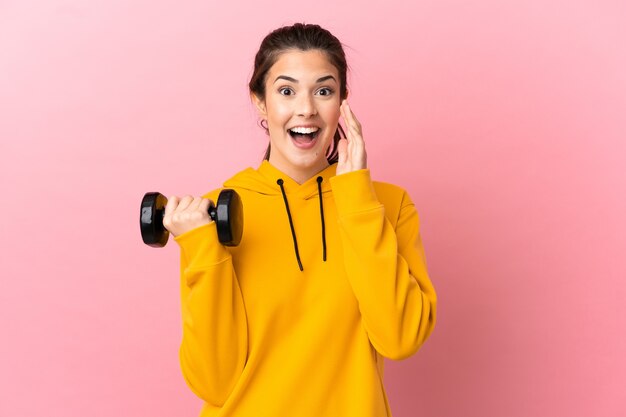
x: 200, y: 246
x: 354, y: 192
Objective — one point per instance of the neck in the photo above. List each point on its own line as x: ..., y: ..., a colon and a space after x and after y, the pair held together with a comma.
x: 300, y: 174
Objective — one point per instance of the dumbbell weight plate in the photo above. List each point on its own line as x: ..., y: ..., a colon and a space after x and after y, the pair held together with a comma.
x: 153, y: 232
x: 229, y: 218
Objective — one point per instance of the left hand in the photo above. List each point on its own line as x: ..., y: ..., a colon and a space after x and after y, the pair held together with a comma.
x: 352, y: 155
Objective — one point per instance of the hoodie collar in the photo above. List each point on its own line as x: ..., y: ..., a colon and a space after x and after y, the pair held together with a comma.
x: 306, y: 190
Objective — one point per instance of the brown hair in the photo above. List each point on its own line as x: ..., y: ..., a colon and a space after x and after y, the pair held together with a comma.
x: 303, y: 37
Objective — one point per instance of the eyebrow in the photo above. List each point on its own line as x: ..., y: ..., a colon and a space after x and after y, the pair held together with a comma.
x: 293, y: 80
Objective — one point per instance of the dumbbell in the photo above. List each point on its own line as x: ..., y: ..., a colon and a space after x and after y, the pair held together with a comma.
x: 227, y: 215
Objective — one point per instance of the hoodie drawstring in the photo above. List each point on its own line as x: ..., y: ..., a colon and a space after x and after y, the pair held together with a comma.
x: 319, y: 193
x: 280, y: 182
x: 293, y: 231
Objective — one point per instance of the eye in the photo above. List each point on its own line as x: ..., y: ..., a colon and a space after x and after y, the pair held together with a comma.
x: 324, y: 91
x: 285, y: 91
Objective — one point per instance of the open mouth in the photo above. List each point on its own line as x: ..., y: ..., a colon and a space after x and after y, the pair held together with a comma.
x: 304, y: 134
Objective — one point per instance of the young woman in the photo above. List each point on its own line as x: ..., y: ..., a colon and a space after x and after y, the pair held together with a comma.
x: 329, y: 278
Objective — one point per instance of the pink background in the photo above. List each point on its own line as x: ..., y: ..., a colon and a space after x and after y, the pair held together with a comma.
x: 504, y: 120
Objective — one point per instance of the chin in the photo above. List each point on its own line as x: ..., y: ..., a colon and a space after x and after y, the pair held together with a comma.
x: 309, y: 161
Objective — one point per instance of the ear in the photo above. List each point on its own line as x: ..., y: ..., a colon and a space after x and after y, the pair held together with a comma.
x: 260, y: 105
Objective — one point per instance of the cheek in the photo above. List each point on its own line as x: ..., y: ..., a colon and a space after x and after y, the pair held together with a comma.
x: 332, y: 114
x: 278, y: 113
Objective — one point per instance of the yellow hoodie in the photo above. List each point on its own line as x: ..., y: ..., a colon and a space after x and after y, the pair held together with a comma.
x: 274, y: 331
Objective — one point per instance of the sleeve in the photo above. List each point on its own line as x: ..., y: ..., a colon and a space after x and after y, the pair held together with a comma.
x: 386, y: 267
x: 214, y: 344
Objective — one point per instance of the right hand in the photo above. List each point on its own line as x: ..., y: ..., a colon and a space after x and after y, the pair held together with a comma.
x: 185, y: 214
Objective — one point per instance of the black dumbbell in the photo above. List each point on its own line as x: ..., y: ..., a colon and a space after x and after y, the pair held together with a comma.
x: 227, y: 215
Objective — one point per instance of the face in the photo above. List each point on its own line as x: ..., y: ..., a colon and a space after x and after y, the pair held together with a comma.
x: 301, y: 106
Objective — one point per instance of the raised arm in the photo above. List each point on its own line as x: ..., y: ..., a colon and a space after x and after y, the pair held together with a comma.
x: 386, y: 266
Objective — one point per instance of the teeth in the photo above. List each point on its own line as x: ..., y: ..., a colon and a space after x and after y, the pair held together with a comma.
x: 304, y: 130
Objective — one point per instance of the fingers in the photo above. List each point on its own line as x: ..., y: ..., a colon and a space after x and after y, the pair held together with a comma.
x: 344, y: 116
x: 186, y: 213
x: 342, y: 151
x: 352, y: 124
x: 354, y: 135
x: 350, y: 116
x: 172, y: 203
x: 186, y: 203
x: 204, y: 205
x: 352, y: 154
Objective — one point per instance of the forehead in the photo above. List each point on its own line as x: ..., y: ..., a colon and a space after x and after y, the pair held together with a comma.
x: 302, y: 65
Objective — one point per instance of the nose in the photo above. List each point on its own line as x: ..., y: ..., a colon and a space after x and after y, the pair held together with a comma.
x: 306, y: 106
